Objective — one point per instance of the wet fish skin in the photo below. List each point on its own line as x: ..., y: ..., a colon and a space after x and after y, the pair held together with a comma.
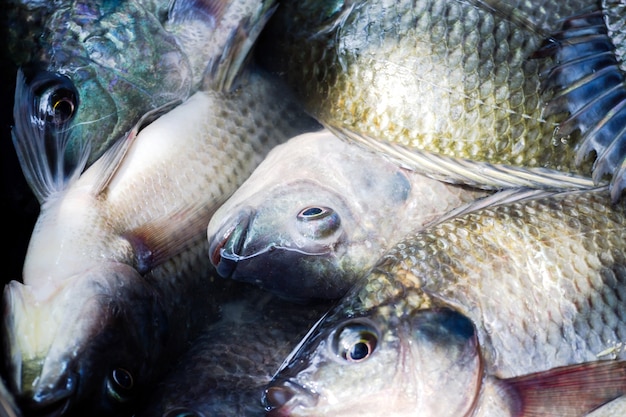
x: 228, y: 365
x: 317, y: 213
x: 434, y: 83
x: 117, y: 276
x: 540, y: 281
x: 99, y: 66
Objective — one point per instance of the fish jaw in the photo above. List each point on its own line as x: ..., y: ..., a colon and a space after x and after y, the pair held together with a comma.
x: 303, y: 264
x: 78, y: 346
x: 399, y: 368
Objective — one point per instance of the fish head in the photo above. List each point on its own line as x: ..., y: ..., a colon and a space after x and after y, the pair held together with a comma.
x: 98, y: 67
x: 313, y: 216
x: 427, y: 363
x: 84, y: 347
x: 291, y: 247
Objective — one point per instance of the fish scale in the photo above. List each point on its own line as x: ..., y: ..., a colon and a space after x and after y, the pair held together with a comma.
x: 479, y: 282
x: 463, y: 91
x: 540, y: 278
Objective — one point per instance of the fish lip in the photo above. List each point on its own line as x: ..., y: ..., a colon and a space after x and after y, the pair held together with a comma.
x: 224, y: 251
x: 52, y: 403
x: 299, y: 396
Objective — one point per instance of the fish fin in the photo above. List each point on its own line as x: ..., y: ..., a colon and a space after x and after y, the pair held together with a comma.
x: 462, y: 171
x: 107, y: 165
x: 157, y: 241
x: 504, y: 197
x: 573, y: 390
x: 39, y: 147
x: 223, y: 71
x: 589, y: 85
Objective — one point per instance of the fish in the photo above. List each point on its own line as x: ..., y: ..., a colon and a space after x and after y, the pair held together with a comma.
x: 96, y: 67
x: 489, y: 93
x: 228, y: 365
x: 117, y: 279
x: 515, y: 309
x: 317, y: 212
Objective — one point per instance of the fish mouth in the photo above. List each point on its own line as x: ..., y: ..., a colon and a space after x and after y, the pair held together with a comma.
x: 50, y: 400
x: 281, y: 398
x: 226, y: 245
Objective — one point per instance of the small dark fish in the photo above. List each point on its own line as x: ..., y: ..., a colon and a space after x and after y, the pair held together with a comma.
x: 227, y: 368
x: 316, y: 214
x: 515, y: 309
x: 488, y: 92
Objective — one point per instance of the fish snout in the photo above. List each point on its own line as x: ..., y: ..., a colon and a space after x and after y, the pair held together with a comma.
x: 225, y: 245
x: 280, y: 398
x: 49, y: 400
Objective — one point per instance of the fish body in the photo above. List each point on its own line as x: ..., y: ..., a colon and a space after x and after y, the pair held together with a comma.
x: 317, y: 213
x: 117, y: 278
x: 482, y: 309
x: 228, y: 365
x: 96, y: 67
x: 494, y: 93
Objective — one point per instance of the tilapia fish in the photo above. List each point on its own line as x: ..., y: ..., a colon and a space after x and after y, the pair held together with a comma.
x: 97, y: 66
x: 117, y: 276
x: 230, y: 363
x: 318, y: 212
x: 495, y: 93
x: 512, y: 310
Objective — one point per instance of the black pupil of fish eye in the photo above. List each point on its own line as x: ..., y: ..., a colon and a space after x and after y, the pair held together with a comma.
x: 356, y: 343
x: 123, y: 378
x: 312, y: 212
x: 62, y: 105
x: 359, y: 351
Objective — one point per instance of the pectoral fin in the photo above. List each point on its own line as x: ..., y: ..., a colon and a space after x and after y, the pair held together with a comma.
x: 574, y: 390
x: 160, y: 240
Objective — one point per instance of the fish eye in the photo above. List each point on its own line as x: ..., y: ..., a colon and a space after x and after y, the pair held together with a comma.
x: 182, y: 412
x: 317, y: 221
x: 355, y: 342
x: 120, y: 384
x: 57, y: 101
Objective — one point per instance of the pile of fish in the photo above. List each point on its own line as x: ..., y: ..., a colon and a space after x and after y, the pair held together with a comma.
x: 320, y: 208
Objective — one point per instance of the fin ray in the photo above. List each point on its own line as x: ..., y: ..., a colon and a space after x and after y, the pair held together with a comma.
x: 462, y: 171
